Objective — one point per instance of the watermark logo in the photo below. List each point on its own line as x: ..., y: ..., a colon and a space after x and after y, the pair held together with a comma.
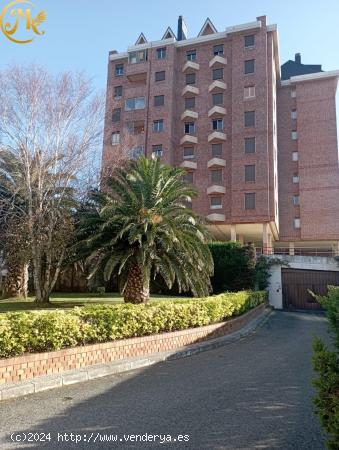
x: 20, y: 21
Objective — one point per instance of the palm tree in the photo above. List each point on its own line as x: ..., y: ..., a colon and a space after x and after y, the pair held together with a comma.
x: 140, y: 226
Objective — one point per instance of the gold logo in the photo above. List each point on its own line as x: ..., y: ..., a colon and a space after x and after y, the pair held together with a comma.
x: 24, y: 23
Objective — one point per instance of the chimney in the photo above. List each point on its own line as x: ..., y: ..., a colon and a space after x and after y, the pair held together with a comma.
x: 297, y: 58
x: 182, y: 29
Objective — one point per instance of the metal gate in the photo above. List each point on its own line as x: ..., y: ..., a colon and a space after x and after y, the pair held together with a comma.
x: 297, y: 282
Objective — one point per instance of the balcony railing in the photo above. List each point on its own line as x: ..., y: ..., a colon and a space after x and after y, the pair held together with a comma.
x: 297, y: 251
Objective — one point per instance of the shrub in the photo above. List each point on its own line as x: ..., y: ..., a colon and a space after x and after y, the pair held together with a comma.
x: 22, y: 332
x: 326, y: 363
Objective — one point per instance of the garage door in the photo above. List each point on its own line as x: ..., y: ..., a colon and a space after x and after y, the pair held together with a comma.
x: 297, y: 282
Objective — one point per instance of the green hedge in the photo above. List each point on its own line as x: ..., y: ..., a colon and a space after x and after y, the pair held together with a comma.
x: 22, y: 332
x: 326, y: 363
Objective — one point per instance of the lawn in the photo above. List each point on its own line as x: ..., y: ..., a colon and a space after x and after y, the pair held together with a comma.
x: 67, y: 301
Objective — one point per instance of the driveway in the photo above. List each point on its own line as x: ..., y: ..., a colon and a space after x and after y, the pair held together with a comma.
x: 252, y: 394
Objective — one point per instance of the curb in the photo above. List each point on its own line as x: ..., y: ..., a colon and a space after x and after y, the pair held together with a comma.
x: 47, y: 382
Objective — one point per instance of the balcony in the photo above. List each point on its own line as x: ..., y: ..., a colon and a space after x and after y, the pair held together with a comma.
x: 189, y: 90
x: 189, y: 66
x: 216, y: 136
x: 217, y: 85
x: 217, y: 61
x: 216, y: 189
x: 188, y: 139
x: 216, y: 162
x: 188, y: 114
x: 217, y: 111
x: 216, y: 217
x: 137, y: 72
x: 188, y: 165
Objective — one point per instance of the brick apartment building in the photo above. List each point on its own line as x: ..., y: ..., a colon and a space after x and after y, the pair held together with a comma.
x: 259, y: 142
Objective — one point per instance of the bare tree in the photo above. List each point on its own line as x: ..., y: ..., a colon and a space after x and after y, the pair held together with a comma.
x: 52, y: 127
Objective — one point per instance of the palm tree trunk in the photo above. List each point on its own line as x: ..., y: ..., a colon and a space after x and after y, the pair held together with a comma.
x: 136, y: 289
x: 16, y: 283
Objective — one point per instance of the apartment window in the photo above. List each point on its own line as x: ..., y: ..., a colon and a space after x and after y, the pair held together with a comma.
x: 250, y: 145
x: 293, y: 93
x: 249, y: 92
x: 249, y: 118
x: 134, y: 103
x: 188, y: 153
x: 249, y: 66
x: 250, y: 173
x: 297, y: 222
x: 293, y: 114
x: 295, y: 178
x: 116, y: 115
x: 216, y: 176
x: 218, y: 74
x: 161, y: 53
x: 294, y: 135
x: 296, y: 200
x: 217, y: 124
x: 191, y: 55
x: 135, y: 152
x: 295, y: 156
x: 250, y: 200
x: 157, y: 150
x: 189, y: 128
x: 188, y: 177
x: 190, y: 78
x: 218, y: 49
x: 218, y: 99
x: 158, y: 126
x: 160, y: 76
x: 216, y: 202
x: 216, y: 149
x: 115, y: 138
x: 136, y: 57
x: 117, y: 92
x: 119, y: 70
x: 249, y: 41
x: 137, y: 127
x: 159, y: 100
x: 189, y: 102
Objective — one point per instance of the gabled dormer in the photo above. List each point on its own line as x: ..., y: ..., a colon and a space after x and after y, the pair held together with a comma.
x: 168, y: 34
x: 141, y: 40
x: 207, y: 28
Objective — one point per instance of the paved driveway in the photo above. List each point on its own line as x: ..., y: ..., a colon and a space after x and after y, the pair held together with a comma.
x: 253, y: 394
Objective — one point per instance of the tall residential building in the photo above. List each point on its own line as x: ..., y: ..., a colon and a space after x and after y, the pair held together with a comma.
x: 259, y: 142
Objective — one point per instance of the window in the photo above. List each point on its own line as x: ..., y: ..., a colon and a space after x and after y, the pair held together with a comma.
x: 117, y: 92
x: 134, y: 103
x: 135, y: 152
x: 250, y: 200
x: 216, y: 176
x: 136, y: 57
x: 115, y: 138
x: 119, y: 70
x: 189, y: 102
x: 249, y: 92
x: 297, y: 222
x: 217, y: 124
x: 190, y: 78
x: 191, y: 55
x: 218, y: 49
x: 116, y: 115
x: 188, y: 153
x: 293, y: 93
x: 295, y: 156
x: 249, y: 41
x: 249, y: 145
x: 295, y: 178
x: 161, y: 53
x: 159, y: 100
x: 160, y: 76
x: 293, y: 114
x: 218, y: 99
x: 216, y: 149
x: 296, y: 200
x: 294, y: 135
x: 157, y: 150
x: 158, y: 126
x: 249, y: 118
x: 216, y: 202
x: 249, y: 66
x: 188, y: 177
x: 250, y: 173
x: 137, y: 127
x: 218, y: 74
x: 189, y: 128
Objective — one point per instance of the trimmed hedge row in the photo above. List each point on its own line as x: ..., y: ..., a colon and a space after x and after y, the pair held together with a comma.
x: 22, y: 332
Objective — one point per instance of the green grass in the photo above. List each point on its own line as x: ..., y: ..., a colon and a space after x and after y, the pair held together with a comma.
x: 68, y: 301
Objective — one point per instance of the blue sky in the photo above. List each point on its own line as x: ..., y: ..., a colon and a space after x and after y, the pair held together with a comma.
x: 79, y: 34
